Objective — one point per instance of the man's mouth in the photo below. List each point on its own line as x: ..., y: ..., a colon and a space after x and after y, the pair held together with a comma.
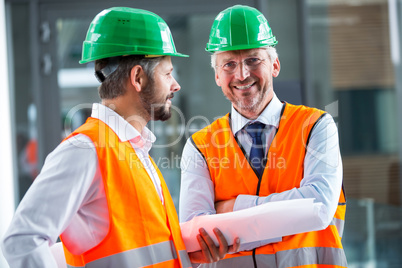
x: 244, y: 87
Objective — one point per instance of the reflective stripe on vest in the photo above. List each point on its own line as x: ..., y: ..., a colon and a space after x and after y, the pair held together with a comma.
x: 309, y: 256
x: 184, y: 258
x: 140, y: 257
x: 287, y: 258
x: 340, y: 224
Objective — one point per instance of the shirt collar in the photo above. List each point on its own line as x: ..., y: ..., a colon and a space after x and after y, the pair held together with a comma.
x: 121, y: 127
x: 269, y: 116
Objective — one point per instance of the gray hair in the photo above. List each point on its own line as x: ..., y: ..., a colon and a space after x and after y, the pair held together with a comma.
x: 115, y: 84
x: 270, y: 50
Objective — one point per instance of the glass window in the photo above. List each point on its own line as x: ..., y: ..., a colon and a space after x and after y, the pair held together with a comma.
x: 352, y: 70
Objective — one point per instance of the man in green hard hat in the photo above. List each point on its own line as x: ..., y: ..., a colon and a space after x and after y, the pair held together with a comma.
x: 99, y: 190
x: 263, y: 151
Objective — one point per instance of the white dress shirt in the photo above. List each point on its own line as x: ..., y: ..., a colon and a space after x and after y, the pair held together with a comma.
x: 68, y: 196
x: 322, y: 178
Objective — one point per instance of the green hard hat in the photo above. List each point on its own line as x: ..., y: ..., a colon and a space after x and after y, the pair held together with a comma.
x: 240, y: 27
x: 120, y: 31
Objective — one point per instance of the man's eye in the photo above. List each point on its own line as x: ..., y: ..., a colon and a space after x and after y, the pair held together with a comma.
x: 252, y: 61
x: 230, y: 64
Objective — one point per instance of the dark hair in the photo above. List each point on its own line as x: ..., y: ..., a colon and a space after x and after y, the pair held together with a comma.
x: 115, y: 84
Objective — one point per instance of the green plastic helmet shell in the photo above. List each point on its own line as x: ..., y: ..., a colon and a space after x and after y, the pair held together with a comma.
x: 240, y: 27
x: 120, y: 31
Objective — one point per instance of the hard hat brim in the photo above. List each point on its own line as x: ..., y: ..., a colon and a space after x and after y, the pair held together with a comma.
x: 219, y: 48
x: 146, y: 54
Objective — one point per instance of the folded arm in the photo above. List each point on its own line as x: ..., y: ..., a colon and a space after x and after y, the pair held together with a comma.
x: 322, y: 178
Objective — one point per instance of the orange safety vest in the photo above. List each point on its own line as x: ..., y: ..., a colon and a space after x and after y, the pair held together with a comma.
x: 232, y: 175
x: 143, y: 232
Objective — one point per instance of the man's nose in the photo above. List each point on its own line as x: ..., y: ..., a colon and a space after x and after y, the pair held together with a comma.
x: 175, y: 86
x: 242, y: 71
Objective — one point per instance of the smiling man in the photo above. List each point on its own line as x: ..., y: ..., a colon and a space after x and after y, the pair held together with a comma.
x: 272, y: 150
x: 99, y: 190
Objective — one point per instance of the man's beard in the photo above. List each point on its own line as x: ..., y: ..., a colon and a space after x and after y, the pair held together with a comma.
x: 156, y: 108
x: 251, y: 104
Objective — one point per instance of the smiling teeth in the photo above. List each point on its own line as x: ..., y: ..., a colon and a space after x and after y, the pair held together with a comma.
x: 244, y: 87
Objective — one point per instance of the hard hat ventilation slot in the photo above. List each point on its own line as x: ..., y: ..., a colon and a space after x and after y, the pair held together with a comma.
x: 123, y: 21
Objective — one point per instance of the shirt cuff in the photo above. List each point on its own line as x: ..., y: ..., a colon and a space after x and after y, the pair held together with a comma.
x: 245, y: 201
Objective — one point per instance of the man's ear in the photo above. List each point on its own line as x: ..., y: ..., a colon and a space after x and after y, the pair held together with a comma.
x: 218, y: 82
x: 276, y: 68
x: 137, y: 77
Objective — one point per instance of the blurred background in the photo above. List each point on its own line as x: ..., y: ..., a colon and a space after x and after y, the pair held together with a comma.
x: 342, y: 56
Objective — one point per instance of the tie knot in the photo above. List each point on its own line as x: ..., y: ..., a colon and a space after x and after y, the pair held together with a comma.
x: 255, y: 129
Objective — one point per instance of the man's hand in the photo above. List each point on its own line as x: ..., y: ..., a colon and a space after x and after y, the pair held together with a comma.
x: 224, y: 206
x: 209, y: 252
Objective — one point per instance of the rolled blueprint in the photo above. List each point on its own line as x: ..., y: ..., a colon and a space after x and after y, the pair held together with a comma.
x: 266, y: 221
